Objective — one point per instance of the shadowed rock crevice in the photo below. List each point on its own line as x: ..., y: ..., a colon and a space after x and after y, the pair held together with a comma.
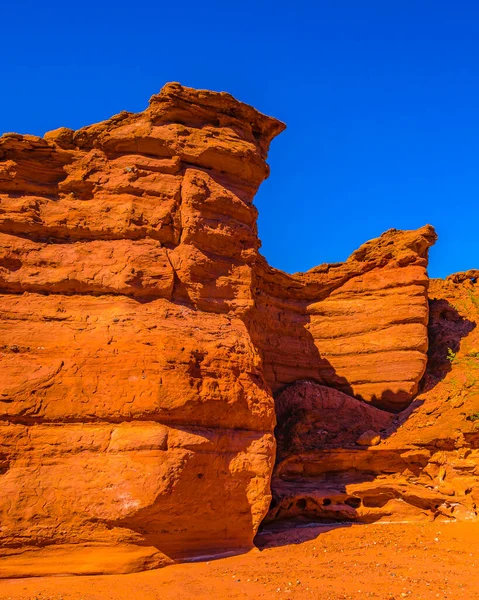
x: 446, y: 329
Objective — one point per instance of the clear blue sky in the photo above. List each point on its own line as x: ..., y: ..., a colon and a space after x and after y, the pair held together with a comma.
x: 380, y: 98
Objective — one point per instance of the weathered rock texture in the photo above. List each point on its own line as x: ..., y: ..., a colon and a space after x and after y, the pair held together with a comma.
x: 136, y: 421
x: 420, y: 464
x: 143, y: 339
x: 359, y: 326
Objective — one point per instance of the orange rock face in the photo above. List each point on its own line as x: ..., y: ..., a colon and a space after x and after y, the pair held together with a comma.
x: 341, y: 460
x: 358, y: 326
x: 144, y: 338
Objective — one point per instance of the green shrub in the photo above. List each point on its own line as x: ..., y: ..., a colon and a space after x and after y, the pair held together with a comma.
x: 451, y: 355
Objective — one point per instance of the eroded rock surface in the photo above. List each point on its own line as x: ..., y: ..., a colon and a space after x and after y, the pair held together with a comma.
x: 143, y: 336
x: 358, y: 326
x: 426, y: 465
x: 134, y: 409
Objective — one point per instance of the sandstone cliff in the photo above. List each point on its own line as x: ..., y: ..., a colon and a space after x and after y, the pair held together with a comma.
x: 136, y: 423
x: 144, y: 339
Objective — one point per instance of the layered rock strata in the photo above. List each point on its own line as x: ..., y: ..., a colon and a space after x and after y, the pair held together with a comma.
x: 420, y: 464
x: 358, y: 326
x: 142, y: 336
x: 135, y: 415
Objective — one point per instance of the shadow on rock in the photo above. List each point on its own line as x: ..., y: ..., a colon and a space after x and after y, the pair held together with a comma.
x: 446, y: 330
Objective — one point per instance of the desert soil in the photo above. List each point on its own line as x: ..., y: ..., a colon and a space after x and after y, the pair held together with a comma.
x: 419, y: 560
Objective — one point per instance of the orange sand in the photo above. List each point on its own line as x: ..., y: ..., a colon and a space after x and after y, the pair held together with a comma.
x: 386, y: 561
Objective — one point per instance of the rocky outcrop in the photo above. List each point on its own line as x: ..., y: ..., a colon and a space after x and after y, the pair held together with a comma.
x: 135, y: 417
x: 340, y: 460
x: 359, y: 326
x: 144, y: 338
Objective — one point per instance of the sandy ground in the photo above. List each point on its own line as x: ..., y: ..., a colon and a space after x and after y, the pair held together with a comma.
x: 427, y: 560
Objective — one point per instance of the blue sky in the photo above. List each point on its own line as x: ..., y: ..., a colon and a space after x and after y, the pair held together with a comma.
x: 380, y: 99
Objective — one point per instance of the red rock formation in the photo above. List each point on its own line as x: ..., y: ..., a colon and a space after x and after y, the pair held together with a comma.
x: 136, y: 420
x: 426, y: 464
x: 143, y: 337
x: 359, y: 326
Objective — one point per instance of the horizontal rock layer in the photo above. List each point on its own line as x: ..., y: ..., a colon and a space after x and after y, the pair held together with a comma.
x: 359, y: 326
